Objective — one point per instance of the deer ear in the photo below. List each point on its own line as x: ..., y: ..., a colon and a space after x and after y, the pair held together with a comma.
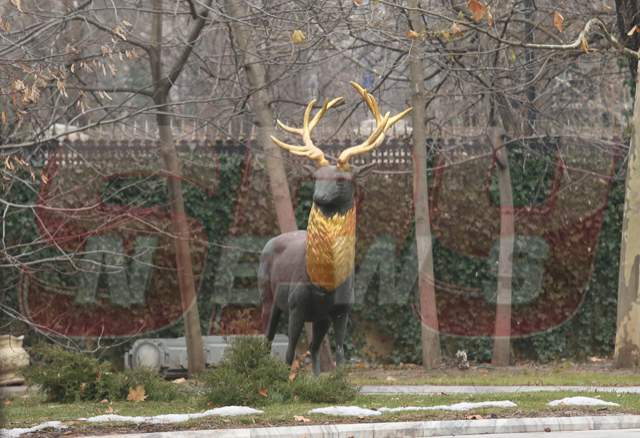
x: 362, y: 172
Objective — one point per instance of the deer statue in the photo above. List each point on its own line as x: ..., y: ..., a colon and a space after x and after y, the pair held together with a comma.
x: 309, y: 274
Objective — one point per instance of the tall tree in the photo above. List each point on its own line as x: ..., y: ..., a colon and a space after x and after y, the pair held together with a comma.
x: 627, y: 347
x: 260, y: 97
x: 431, y: 355
x: 162, y: 84
x: 502, y: 335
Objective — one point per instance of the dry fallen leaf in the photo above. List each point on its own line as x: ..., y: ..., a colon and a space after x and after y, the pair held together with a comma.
x: 633, y: 30
x: 301, y: 419
x: 478, y: 10
x: 6, y: 402
x: 109, y: 410
x: 136, y: 394
x: 263, y: 392
x: 558, y: 21
x: 104, y: 401
x: 180, y: 381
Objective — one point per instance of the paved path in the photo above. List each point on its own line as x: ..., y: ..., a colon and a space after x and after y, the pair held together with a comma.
x: 439, y: 389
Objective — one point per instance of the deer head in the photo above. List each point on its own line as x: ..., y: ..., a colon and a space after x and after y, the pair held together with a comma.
x: 334, y: 183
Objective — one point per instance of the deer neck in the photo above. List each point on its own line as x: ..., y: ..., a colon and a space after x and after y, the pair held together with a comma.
x: 331, y: 244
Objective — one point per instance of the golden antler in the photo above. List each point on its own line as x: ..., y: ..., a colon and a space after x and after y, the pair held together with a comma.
x: 309, y: 149
x: 377, y: 137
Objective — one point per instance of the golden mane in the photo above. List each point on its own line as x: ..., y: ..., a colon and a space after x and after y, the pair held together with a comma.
x: 331, y: 245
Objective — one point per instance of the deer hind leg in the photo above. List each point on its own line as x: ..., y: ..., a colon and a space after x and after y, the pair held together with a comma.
x: 320, y: 329
x: 276, y: 312
x: 296, y: 324
x: 340, y: 329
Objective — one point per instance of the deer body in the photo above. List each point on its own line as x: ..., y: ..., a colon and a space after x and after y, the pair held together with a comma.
x: 309, y: 274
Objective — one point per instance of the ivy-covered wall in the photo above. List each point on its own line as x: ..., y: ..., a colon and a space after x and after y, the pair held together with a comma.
x: 100, y: 260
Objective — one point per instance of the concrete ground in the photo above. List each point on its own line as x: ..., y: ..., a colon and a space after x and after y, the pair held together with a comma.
x: 634, y: 433
x: 630, y: 433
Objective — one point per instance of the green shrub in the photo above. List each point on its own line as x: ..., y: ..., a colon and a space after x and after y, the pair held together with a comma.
x: 66, y: 376
x: 116, y: 386
x: 326, y: 388
x: 249, y: 375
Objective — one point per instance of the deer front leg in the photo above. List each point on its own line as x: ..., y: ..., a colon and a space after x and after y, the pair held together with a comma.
x: 296, y: 324
x: 320, y: 329
x: 340, y: 329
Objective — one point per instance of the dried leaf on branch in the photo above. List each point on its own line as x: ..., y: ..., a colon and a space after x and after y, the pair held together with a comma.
x: 478, y: 10
x: 298, y: 37
x: 584, y: 45
x: 558, y: 21
x: 17, y: 4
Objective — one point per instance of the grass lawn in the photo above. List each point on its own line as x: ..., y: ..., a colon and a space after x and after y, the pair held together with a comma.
x: 32, y: 409
x: 561, y: 374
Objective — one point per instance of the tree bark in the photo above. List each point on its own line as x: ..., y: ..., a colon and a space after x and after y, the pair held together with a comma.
x: 431, y: 355
x: 502, y: 334
x: 627, y: 349
x: 529, y: 54
x: 180, y: 225
x: 260, y: 98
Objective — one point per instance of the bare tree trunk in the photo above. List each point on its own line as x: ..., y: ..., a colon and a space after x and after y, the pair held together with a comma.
x: 627, y: 350
x: 257, y: 78
x: 184, y: 266
x: 430, y: 336
x: 502, y: 336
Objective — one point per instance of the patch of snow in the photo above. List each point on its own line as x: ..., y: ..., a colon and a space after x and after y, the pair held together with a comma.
x: 232, y: 411
x: 465, y: 406
x: 12, y: 433
x: 357, y: 411
x: 581, y: 401
x: 227, y: 411
x: 354, y: 411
